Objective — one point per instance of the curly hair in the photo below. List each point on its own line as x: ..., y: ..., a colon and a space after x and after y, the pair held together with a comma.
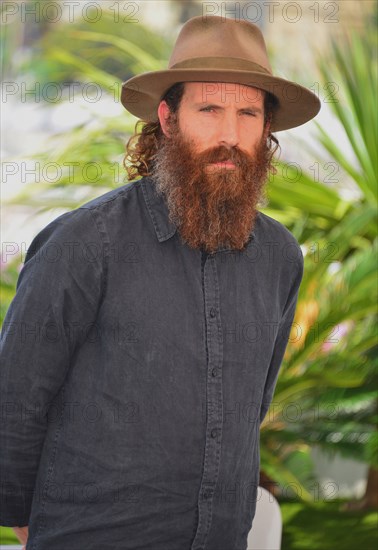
x: 142, y: 147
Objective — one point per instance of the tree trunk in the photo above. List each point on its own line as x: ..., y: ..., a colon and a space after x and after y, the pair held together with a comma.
x: 370, y: 498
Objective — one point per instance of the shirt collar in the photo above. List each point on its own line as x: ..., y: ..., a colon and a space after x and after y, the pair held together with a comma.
x: 158, y: 210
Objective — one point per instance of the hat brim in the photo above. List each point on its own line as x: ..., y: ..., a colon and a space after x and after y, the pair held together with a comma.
x: 142, y: 94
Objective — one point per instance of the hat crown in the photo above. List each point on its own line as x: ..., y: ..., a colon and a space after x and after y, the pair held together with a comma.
x: 219, y: 37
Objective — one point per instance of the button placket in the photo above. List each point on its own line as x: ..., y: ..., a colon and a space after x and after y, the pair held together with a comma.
x: 214, y: 402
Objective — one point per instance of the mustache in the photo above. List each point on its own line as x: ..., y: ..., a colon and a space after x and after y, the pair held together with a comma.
x: 224, y: 154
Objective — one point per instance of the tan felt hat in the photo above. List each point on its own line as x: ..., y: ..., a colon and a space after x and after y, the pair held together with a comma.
x: 220, y: 49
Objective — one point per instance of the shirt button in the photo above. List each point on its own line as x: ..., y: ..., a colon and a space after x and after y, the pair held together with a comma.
x: 213, y: 312
x: 214, y: 432
x: 214, y: 372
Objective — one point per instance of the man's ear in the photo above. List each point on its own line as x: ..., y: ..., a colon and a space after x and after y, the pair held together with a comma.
x: 163, y: 114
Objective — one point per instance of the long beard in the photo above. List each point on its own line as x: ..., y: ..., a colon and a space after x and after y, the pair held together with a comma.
x: 212, y: 207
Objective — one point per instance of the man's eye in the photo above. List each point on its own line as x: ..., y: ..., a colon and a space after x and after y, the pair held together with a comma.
x: 249, y: 113
x: 207, y: 109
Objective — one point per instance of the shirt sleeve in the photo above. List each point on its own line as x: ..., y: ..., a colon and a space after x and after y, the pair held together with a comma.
x: 282, y: 338
x: 57, y: 297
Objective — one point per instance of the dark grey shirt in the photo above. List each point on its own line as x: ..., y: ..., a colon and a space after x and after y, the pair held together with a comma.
x: 135, y: 374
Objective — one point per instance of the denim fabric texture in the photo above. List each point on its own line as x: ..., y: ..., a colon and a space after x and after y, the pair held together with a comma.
x: 135, y: 374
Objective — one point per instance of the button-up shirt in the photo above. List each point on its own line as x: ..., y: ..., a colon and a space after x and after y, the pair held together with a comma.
x: 135, y: 374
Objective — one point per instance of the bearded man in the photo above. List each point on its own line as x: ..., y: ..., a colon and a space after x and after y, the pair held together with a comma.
x: 142, y: 348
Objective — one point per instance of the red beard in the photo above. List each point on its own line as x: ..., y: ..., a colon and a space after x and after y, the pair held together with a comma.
x: 212, y: 207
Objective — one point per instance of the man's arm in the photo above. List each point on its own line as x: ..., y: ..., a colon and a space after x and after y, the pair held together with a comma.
x: 58, y: 293
x: 22, y: 535
x: 282, y: 338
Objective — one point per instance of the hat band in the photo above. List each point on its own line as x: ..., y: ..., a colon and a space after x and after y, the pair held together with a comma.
x: 223, y: 63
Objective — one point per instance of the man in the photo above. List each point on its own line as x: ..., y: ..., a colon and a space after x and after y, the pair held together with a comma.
x: 143, y: 345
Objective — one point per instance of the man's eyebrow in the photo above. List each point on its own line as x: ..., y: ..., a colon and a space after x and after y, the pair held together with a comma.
x: 207, y: 104
x: 217, y: 106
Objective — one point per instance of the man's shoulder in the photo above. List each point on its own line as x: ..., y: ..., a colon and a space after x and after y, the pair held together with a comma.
x: 270, y: 231
x: 87, y: 221
x: 270, y: 227
x: 112, y: 196
x: 108, y: 206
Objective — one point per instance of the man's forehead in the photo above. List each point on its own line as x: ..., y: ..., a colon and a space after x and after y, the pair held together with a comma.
x: 223, y: 92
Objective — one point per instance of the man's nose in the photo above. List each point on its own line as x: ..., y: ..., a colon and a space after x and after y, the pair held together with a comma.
x: 228, y: 134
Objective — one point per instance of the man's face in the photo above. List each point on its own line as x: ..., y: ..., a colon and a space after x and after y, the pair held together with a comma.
x: 213, y: 114
x: 212, y: 163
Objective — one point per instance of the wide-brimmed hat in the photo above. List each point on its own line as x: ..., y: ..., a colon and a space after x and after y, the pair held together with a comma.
x: 219, y: 49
